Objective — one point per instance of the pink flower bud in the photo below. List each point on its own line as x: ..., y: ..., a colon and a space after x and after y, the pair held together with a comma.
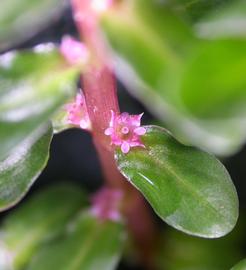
x: 74, y: 51
x: 106, y: 204
x: 77, y: 113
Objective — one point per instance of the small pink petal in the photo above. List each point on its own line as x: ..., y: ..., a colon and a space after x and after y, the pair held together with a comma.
x: 124, y: 130
x: 109, y: 131
x: 80, y: 99
x: 136, y: 119
x: 77, y: 113
x: 124, y: 116
x: 106, y: 204
x: 140, y: 131
x: 84, y: 124
x: 125, y: 147
x: 113, y: 118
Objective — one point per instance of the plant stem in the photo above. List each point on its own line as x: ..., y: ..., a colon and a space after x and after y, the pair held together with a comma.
x: 99, y: 86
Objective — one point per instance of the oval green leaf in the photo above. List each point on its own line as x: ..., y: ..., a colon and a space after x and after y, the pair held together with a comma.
x: 38, y: 220
x: 89, y: 244
x: 188, y: 188
x: 16, y: 15
x: 22, y: 167
x: 33, y: 85
x: 156, y: 57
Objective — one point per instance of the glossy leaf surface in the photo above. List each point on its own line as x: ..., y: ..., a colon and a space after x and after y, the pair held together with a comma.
x: 33, y: 85
x: 16, y: 15
x: 22, y: 167
x: 188, y: 188
x: 88, y: 245
x: 38, y: 220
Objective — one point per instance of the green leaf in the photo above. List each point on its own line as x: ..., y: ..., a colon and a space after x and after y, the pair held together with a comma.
x: 228, y: 21
x: 16, y: 15
x: 152, y: 46
x: 240, y: 266
x: 153, y: 36
x: 152, y: 39
x: 89, y: 244
x: 33, y: 85
x: 216, y: 67
x: 22, y: 167
x: 39, y: 220
x: 156, y: 58
x: 215, y: 122
x: 189, y: 189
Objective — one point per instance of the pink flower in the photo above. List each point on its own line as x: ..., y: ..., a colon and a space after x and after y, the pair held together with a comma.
x: 125, y: 131
x: 106, y: 204
x: 77, y: 113
x: 74, y: 51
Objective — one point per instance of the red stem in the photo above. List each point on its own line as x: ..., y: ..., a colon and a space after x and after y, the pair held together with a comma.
x: 99, y: 88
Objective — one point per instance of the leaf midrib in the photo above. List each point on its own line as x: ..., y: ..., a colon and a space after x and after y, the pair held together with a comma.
x: 196, y: 194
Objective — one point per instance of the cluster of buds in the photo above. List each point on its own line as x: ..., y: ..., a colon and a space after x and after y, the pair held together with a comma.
x: 77, y: 113
x: 106, y: 204
x: 74, y: 51
x: 124, y: 129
